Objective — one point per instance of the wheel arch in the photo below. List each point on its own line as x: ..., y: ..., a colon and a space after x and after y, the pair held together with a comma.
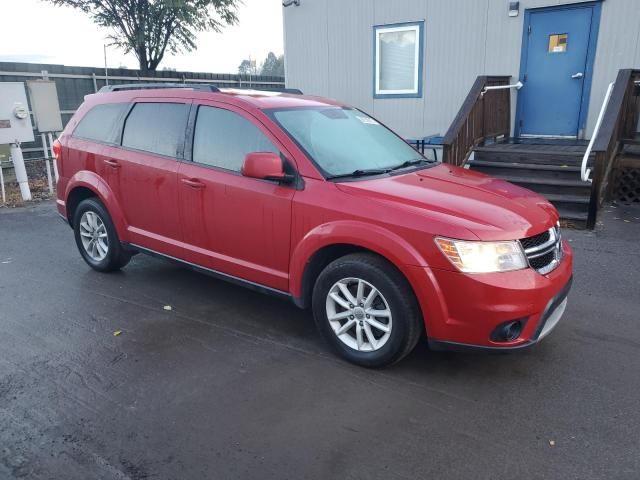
x: 85, y: 185
x: 327, y: 242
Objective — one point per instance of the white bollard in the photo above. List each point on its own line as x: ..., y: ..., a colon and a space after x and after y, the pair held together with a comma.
x: 46, y: 162
x: 55, y: 164
x: 21, y: 171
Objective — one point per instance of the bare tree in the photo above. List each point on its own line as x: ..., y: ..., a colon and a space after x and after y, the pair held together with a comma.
x: 150, y: 28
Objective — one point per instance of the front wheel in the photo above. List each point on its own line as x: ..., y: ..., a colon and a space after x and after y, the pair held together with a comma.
x: 96, y: 237
x: 366, y: 310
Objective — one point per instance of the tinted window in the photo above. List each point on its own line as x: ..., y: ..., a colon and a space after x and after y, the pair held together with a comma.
x: 223, y: 138
x: 100, y: 123
x: 156, y: 127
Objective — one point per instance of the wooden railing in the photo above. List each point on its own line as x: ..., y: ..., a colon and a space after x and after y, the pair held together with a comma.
x: 481, y: 116
x: 619, y: 122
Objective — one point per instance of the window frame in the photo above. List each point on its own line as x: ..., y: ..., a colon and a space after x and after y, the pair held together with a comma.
x: 415, y: 92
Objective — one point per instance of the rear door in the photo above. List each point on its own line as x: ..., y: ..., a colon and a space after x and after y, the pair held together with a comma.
x: 146, y: 166
x: 234, y: 224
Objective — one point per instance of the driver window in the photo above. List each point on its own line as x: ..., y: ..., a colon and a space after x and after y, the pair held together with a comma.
x: 223, y: 138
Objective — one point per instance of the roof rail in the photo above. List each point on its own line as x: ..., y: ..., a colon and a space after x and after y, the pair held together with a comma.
x: 148, y: 86
x: 203, y: 87
x: 290, y: 91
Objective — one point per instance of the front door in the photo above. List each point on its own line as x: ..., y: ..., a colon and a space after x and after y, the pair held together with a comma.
x: 233, y: 224
x: 556, y: 71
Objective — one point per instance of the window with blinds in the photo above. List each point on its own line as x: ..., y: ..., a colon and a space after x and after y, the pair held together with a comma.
x: 398, y: 60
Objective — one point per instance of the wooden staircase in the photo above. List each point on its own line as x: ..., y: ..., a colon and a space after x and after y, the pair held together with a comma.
x: 479, y: 138
x: 549, y: 167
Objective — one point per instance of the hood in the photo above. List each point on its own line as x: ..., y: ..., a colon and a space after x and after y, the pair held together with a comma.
x: 489, y: 208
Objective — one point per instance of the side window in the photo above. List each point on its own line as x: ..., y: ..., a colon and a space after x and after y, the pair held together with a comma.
x: 156, y: 127
x: 223, y: 138
x: 100, y: 122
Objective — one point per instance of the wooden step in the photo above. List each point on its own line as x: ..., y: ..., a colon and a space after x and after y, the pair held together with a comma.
x: 534, y: 170
x: 525, y: 166
x: 517, y: 156
x: 568, y: 218
x: 563, y: 198
x: 552, y: 186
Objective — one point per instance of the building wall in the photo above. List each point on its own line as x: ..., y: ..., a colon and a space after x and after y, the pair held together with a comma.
x: 329, y: 52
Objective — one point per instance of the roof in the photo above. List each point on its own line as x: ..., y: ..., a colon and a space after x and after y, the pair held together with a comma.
x: 260, y: 99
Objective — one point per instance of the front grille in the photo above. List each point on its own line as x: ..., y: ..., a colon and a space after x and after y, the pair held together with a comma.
x: 536, y: 240
x: 543, y: 251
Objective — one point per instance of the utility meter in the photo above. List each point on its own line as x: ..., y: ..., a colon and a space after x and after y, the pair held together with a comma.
x: 15, y: 121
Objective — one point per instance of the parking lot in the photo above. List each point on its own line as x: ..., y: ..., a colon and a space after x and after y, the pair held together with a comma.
x: 228, y: 383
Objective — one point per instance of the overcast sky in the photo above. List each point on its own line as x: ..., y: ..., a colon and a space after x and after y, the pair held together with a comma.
x: 37, y: 32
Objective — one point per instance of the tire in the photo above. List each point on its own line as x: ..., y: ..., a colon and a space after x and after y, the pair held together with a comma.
x: 96, y: 237
x: 404, y: 325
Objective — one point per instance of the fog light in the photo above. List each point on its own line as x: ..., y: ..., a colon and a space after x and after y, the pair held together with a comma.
x: 508, y: 331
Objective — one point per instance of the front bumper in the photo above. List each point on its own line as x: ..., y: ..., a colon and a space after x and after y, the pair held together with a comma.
x: 462, y: 310
x: 548, y: 321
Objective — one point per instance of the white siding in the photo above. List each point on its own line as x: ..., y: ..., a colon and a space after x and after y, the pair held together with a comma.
x: 329, y: 52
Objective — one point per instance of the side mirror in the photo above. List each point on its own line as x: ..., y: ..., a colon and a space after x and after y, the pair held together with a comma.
x: 266, y: 166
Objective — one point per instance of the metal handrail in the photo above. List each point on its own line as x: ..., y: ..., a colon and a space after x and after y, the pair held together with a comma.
x: 584, y: 171
x: 517, y: 86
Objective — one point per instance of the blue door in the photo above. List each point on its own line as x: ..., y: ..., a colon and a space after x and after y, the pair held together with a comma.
x: 555, y: 71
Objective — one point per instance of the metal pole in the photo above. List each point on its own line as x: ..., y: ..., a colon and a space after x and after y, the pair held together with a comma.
x: 55, y: 162
x: 21, y: 171
x: 95, y: 83
x: 4, y: 197
x: 106, y: 72
x: 46, y: 162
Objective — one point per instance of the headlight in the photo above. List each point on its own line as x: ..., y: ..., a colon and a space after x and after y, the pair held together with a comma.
x: 483, y: 257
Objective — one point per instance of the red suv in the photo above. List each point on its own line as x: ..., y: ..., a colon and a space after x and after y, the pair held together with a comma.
x: 315, y: 201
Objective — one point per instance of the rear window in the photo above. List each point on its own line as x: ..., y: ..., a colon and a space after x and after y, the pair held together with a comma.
x: 101, y: 122
x: 156, y: 128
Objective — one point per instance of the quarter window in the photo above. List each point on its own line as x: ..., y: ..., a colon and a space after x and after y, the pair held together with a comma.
x: 398, y: 60
x: 156, y: 128
x: 101, y: 122
x: 223, y: 139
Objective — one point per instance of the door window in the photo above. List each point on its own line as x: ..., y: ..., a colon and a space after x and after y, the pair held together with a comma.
x: 223, y: 139
x: 558, y: 43
x: 156, y: 128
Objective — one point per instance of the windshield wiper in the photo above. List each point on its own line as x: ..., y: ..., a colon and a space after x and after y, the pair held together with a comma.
x: 361, y: 173
x: 411, y: 163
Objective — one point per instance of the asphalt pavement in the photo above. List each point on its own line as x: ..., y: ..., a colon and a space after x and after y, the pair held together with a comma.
x: 207, y: 380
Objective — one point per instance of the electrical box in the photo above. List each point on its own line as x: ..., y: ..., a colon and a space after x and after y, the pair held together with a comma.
x: 15, y: 120
x: 45, y: 106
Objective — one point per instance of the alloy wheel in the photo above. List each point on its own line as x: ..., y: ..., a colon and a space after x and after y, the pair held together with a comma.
x: 93, y: 234
x: 359, y: 314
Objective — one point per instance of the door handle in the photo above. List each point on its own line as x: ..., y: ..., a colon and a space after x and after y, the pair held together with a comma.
x: 112, y: 163
x: 193, y: 183
x: 578, y: 75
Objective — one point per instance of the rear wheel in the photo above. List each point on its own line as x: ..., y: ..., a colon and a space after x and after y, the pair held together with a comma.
x: 96, y: 237
x: 366, y: 310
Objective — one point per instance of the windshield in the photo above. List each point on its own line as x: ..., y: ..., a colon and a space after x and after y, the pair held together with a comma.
x: 344, y: 141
